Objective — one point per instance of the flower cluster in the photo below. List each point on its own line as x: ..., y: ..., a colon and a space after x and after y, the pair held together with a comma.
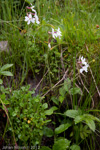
x: 29, y: 18
x: 84, y: 66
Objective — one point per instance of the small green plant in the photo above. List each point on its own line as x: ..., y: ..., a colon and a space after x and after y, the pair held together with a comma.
x: 27, y: 115
x: 62, y: 144
x: 79, y: 122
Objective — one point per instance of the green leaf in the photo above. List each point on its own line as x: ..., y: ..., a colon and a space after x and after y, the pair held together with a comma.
x: 92, y: 117
x: 89, y: 119
x: 61, y: 99
x: 75, y: 147
x: 91, y: 124
x: 55, y: 100
x: 62, y: 91
x: 6, y: 67
x: 73, y: 113
x: 51, y: 110
x: 6, y: 73
x: 62, y: 128
x: 14, y: 114
x: 45, y: 105
x: 75, y: 90
x: 45, y: 148
x: 84, y: 132
x: 36, y: 99
x: 78, y: 119
x: 61, y: 144
x: 1, y: 81
x: 48, y: 132
x: 67, y: 84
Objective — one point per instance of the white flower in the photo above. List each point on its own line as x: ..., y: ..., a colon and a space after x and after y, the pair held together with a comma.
x: 84, y: 68
x: 49, y: 45
x: 29, y: 19
x: 59, y: 33
x: 56, y: 33
x: 83, y: 61
x: 84, y: 65
x: 36, y: 19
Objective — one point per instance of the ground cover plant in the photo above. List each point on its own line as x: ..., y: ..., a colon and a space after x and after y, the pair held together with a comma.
x: 49, y: 74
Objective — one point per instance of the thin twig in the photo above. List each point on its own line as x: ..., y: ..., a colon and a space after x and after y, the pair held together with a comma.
x: 64, y: 76
x: 41, y: 80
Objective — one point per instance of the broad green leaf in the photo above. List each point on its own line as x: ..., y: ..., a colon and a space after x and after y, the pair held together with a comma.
x: 45, y: 105
x: 61, y: 99
x: 45, y: 148
x: 89, y: 120
x: 6, y: 73
x: 67, y: 84
x: 79, y: 119
x: 72, y: 113
x: 51, y: 110
x: 75, y: 90
x: 55, y: 100
x: 62, y: 128
x: 5, y: 67
x: 48, y: 132
x: 74, y: 147
x: 1, y: 81
x: 62, y: 91
x: 91, y: 124
x: 61, y: 144
x: 92, y: 117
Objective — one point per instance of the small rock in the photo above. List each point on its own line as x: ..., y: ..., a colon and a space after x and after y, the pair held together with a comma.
x: 4, y: 46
